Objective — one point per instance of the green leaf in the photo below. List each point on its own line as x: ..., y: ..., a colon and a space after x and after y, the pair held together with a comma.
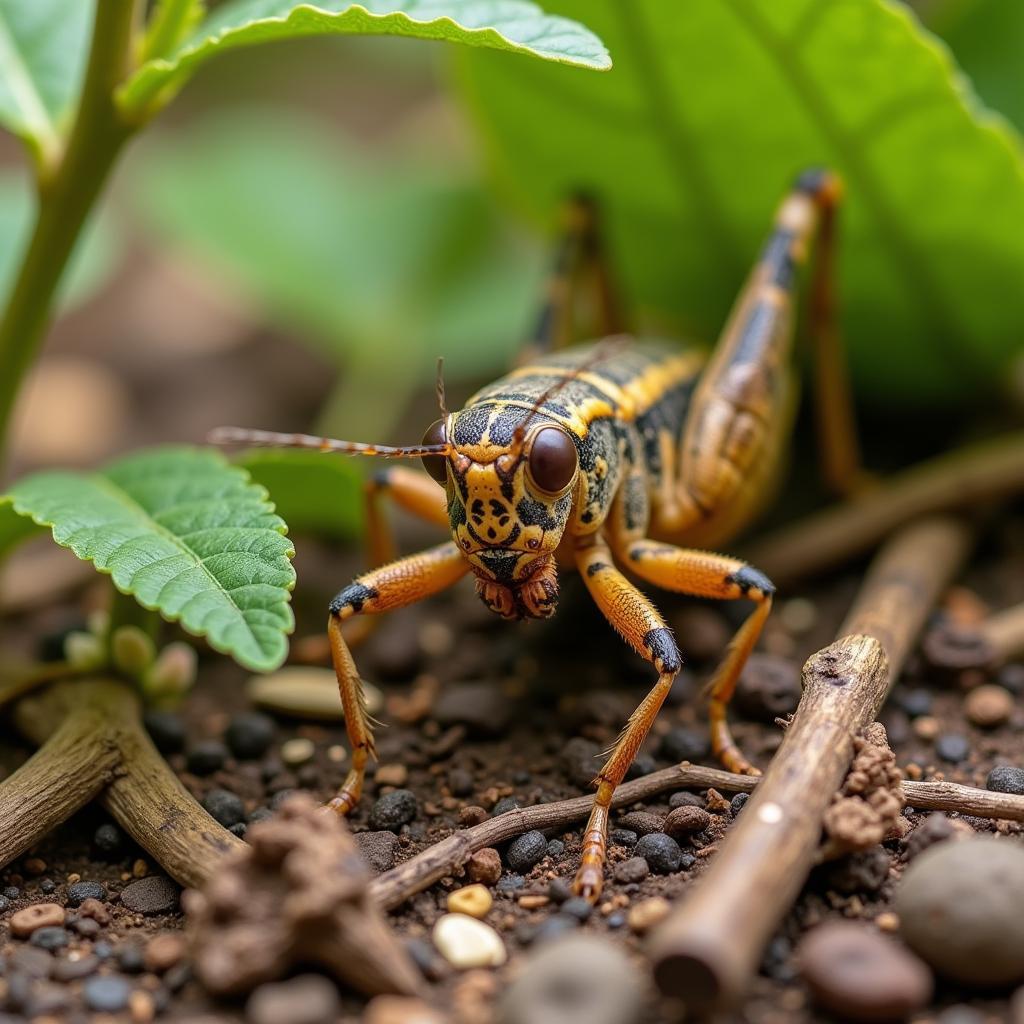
x: 519, y: 26
x: 315, y: 493
x: 13, y: 529
x: 987, y: 39
x: 43, y: 45
x: 95, y: 257
x: 388, y: 264
x: 708, y: 115
x: 187, y: 535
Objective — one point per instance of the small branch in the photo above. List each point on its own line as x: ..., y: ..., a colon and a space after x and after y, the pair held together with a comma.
x: 1003, y: 632
x: 962, y: 479
x: 141, y: 792
x: 708, y: 949
x: 67, y: 194
x: 68, y: 771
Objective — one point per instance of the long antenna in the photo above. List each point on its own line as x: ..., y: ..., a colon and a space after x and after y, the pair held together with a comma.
x: 270, y: 438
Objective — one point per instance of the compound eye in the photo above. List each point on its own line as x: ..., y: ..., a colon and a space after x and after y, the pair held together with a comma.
x: 553, y: 460
x: 436, y: 465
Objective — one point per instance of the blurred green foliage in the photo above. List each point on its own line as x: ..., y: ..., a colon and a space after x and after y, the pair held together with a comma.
x: 691, y: 140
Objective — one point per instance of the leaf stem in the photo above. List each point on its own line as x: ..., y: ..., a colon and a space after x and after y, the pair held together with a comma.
x: 170, y: 22
x: 66, y: 196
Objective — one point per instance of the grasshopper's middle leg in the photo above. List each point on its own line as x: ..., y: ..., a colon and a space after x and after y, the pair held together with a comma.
x: 391, y: 586
x: 638, y: 621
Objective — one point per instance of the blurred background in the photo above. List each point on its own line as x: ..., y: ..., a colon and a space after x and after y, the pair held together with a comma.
x: 310, y: 224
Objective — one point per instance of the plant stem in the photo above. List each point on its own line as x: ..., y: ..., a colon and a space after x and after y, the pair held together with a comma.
x: 169, y: 23
x: 65, y: 199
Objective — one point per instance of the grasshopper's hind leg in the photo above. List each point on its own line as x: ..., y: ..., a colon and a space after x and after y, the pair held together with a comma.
x: 391, y: 586
x: 637, y: 620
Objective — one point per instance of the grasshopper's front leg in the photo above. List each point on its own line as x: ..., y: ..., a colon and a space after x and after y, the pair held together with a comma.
x: 391, y: 586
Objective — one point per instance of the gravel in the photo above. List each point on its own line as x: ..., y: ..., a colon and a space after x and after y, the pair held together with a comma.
x: 1005, y: 778
x: 107, y: 994
x: 662, y: 853
x: 225, y: 807
x: 79, y: 892
x: 206, y: 757
x: 249, y: 734
x: 529, y: 849
x: 156, y: 894
x: 393, y: 810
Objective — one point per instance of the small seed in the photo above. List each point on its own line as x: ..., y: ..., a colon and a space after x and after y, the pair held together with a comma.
x: 474, y: 900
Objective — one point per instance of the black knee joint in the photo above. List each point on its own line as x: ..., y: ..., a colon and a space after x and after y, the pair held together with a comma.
x: 748, y: 578
x: 354, y: 596
x: 664, y: 652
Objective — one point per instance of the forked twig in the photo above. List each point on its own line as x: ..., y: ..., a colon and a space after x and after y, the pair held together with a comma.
x: 93, y: 744
x: 708, y: 949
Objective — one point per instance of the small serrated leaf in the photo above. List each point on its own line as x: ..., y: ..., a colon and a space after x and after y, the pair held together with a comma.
x: 519, y: 26
x: 185, y: 533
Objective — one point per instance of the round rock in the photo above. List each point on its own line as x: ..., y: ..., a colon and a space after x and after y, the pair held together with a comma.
x: 988, y: 706
x: 249, y: 734
x: 466, y: 942
x: 39, y: 915
x: 860, y: 974
x: 662, y: 853
x: 393, y: 810
x: 576, y: 979
x: 961, y: 906
x: 107, y: 994
x: 1006, y: 778
x: 225, y: 807
x: 307, y: 999
x: 79, y: 892
x: 526, y: 851
x: 156, y: 894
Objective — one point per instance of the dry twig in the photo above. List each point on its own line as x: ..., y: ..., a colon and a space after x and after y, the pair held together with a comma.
x: 962, y: 479
x: 708, y: 949
x: 93, y: 744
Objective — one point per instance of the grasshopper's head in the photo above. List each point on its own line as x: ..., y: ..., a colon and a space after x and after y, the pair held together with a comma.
x: 510, y: 490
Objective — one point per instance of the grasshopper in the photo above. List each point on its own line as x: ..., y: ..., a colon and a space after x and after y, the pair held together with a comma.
x: 629, y: 455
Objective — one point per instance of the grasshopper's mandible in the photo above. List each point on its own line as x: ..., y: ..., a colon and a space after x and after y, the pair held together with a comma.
x: 622, y: 454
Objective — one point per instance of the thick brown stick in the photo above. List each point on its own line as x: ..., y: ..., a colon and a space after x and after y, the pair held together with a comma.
x: 961, y: 479
x: 68, y: 771
x: 141, y: 792
x: 708, y: 949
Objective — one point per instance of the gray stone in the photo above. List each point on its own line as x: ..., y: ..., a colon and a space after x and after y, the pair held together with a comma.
x: 578, y: 979
x: 378, y: 848
x: 961, y: 906
x: 156, y: 894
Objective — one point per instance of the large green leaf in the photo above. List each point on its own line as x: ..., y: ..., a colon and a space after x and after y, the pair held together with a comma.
x: 711, y: 110
x: 389, y: 264
x: 94, y: 259
x: 987, y: 39
x: 515, y: 25
x: 187, y: 535
x: 43, y: 45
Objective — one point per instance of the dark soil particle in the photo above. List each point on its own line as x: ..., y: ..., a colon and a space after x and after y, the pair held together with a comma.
x: 225, y: 807
x: 393, y: 810
x: 109, y: 840
x: 153, y: 895
x: 681, y: 744
x: 79, y: 892
x: 952, y: 747
x: 249, y: 734
x: 526, y: 851
x: 1006, y: 778
x: 166, y: 730
x: 661, y: 852
x: 50, y: 938
x: 206, y: 757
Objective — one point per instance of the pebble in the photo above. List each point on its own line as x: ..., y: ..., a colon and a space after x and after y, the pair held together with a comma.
x: 861, y: 872
x: 39, y: 915
x: 481, y: 707
x: 391, y: 775
x: 633, y: 870
x: 466, y: 942
x: 79, y: 892
x: 952, y: 747
x: 662, y: 853
x: 686, y: 820
x: 307, y: 999
x: 581, y: 759
x: 484, y: 866
x: 961, y: 906
x: 75, y: 970
x: 526, y: 851
x: 737, y: 803
x: 378, y: 848
x: 164, y: 951
x: 647, y: 913
x: 106, y: 993
x: 249, y: 734
x: 156, y: 894
x: 578, y: 907
x: 768, y: 687
x: 460, y: 781
x: 936, y: 828
x: 393, y: 810
x: 641, y: 765
x: 681, y: 744
x: 510, y: 883
x: 505, y: 804
x: 306, y: 692
x: 94, y: 910
x: 296, y: 751
x: 400, y: 1010
x: 206, y: 757
x: 642, y: 823
x: 914, y: 701
x: 685, y: 799
x: 861, y: 975
x: 166, y: 730
x: 1005, y: 778
x: 572, y: 979
x: 988, y: 706
x: 926, y: 728
x: 131, y: 959
x: 555, y: 848
x: 50, y: 938
x: 623, y: 837
x: 225, y: 807
x: 473, y: 900
x: 109, y: 840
